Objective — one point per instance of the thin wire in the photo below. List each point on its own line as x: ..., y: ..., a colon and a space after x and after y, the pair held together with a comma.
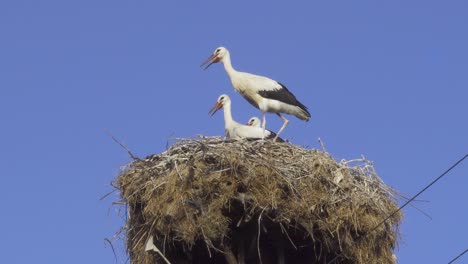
x: 410, y: 200
x: 420, y: 192
x: 459, y: 256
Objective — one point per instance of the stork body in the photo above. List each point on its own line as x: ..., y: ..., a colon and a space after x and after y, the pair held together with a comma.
x: 263, y: 93
x: 255, y: 122
x: 235, y: 130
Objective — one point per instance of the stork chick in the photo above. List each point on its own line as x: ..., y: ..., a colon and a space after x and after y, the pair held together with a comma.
x: 254, y: 122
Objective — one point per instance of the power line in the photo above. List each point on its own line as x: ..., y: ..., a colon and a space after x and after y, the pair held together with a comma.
x: 457, y: 257
x: 409, y: 201
x: 420, y: 192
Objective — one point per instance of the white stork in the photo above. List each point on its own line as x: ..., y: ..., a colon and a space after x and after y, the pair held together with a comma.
x: 254, y: 121
x: 263, y: 93
x: 235, y: 130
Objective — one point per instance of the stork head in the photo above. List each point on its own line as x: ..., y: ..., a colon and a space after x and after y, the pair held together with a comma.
x: 222, y: 100
x: 217, y: 56
x: 254, y: 122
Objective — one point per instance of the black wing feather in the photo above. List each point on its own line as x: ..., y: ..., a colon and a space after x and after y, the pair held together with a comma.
x: 273, y: 135
x: 285, y: 96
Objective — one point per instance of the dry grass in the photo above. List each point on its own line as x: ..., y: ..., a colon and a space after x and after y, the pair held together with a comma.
x: 213, y: 201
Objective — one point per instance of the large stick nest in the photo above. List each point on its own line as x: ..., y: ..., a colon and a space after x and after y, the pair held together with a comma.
x: 213, y: 201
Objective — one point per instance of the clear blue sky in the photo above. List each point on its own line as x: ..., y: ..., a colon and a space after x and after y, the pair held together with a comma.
x: 383, y: 79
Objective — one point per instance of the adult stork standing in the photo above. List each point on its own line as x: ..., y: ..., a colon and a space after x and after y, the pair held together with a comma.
x: 235, y: 130
x: 263, y: 93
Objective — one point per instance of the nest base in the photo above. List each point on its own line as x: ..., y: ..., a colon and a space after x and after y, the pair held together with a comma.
x: 213, y: 201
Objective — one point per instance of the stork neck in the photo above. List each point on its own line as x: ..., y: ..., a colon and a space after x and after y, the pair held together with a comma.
x: 228, y: 121
x: 227, y: 65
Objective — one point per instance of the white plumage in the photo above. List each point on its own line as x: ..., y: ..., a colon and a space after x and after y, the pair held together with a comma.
x: 263, y: 93
x: 254, y: 121
x: 235, y: 130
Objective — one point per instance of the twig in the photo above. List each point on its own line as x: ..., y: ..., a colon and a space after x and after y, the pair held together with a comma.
x: 177, y: 169
x: 323, y: 145
x: 104, y: 197
x: 207, y: 243
x: 151, y: 246
x: 229, y: 255
x: 415, y: 207
x: 123, y: 146
x: 258, y: 236
x: 167, y: 141
x: 112, y: 246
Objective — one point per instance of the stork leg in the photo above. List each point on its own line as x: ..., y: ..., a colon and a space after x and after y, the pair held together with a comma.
x: 263, y: 124
x: 286, y: 121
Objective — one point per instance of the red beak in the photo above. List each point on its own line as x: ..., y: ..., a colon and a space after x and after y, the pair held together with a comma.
x: 212, y: 59
x: 215, y: 108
